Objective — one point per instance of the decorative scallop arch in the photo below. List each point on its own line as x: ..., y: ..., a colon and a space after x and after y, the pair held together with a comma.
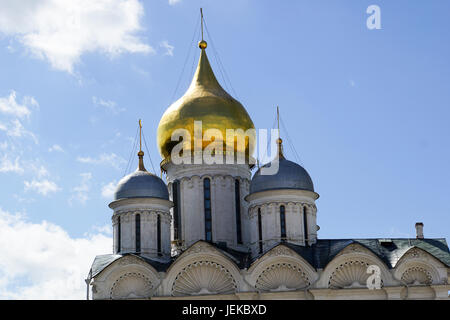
x: 350, y: 274
x: 201, y: 270
x: 282, y: 277
x: 281, y: 269
x: 349, y: 268
x: 203, y: 277
x: 418, y: 267
x: 129, y: 277
x: 131, y: 285
x: 417, y: 276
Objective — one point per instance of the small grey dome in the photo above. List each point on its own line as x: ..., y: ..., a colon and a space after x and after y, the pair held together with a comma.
x: 141, y: 184
x: 289, y: 176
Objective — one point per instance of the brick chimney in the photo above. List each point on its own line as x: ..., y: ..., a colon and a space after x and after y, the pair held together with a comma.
x: 419, y: 230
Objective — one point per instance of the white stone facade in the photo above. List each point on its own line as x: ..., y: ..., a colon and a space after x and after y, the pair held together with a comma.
x: 223, y: 202
x: 297, y: 204
x: 288, y: 267
x: 279, y: 274
x: 296, y: 266
x: 149, y: 211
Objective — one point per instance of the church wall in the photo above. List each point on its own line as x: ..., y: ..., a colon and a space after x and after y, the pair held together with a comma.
x: 132, y: 273
x: 148, y: 209
x: 222, y: 179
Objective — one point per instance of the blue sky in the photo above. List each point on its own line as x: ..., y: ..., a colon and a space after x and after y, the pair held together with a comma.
x: 366, y: 110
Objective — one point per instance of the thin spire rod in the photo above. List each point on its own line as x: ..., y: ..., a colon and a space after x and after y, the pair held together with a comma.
x: 201, y: 17
x: 278, y: 120
x: 141, y: 153
x: 279, y: 141
x: 140, y: 135
x: 202, y: 44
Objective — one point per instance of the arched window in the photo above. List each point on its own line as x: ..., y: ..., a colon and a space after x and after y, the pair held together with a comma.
x: 260, y: 232
x: 305, y: 225
x: 283, y: 222
x: 158, y: 234
x: 138, y: 233
x: 207, y: 205
x: 237, y: 196
x: 176, y: 209
x: 118, y: 234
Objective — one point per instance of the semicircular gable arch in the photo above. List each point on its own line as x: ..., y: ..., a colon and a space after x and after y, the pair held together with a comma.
x: 419, y: 266
x: 278, y: 263
x: 203, y: 256
x: 358, y: 258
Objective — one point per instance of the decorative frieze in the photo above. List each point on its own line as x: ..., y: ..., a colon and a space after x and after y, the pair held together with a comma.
x: 132, y: 285
x: 282, y: 277
x: 203, y: 277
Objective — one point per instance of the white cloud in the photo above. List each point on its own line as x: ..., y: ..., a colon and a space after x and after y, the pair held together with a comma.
x: 35, y: 168
x: 110, y: 159
x: 16, y: 129
x: 55, y: 147
x: 106, y: 229
x: 43, y: 187
x: 80, y: 192
x: 7, y: 165
x: 108, y: 190
x: 12, y: 112
x: 62, y: 31
x: 9, y: 105
x: 140, y: 71
x: 42, y: 261
x: 174, y: 2
x: 169, y: 49
x: 108, y: 105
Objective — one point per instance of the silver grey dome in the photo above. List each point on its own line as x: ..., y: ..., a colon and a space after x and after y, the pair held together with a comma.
x: 141, y: 184
x: 290, y: 175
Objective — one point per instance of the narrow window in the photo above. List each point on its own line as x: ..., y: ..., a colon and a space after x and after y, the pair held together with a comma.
x: 283, y: 222
x: 305, y: 225
x: 207, y: 203
x: 118, y: 234
x: 260, y: 231
x: 138, y: 233
x: 176, y: 209
x: 237, y: 196
x: 158, y: 233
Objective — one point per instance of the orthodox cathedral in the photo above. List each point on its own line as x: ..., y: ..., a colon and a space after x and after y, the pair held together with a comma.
x: 212, y: 231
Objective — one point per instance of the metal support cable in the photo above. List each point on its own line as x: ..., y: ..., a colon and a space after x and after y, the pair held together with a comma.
x: 220, y: 64
x: 296, y: 155
x: 148, y: 152
x: 131, y: 154
x: 185, y: 61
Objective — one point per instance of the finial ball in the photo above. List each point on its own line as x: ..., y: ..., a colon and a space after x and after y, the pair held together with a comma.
x: 202, y: 44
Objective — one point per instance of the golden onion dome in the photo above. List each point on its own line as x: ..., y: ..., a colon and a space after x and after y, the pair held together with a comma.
x: 206, y: 101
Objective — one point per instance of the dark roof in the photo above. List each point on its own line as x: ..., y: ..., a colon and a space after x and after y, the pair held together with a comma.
x: 388, y: 250
x: 101, y: 262
x: 141, y: 184
x: 318, y: 255
x: 290, y: 175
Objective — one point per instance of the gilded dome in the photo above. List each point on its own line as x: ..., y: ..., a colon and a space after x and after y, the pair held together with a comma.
x: 206, y: 101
